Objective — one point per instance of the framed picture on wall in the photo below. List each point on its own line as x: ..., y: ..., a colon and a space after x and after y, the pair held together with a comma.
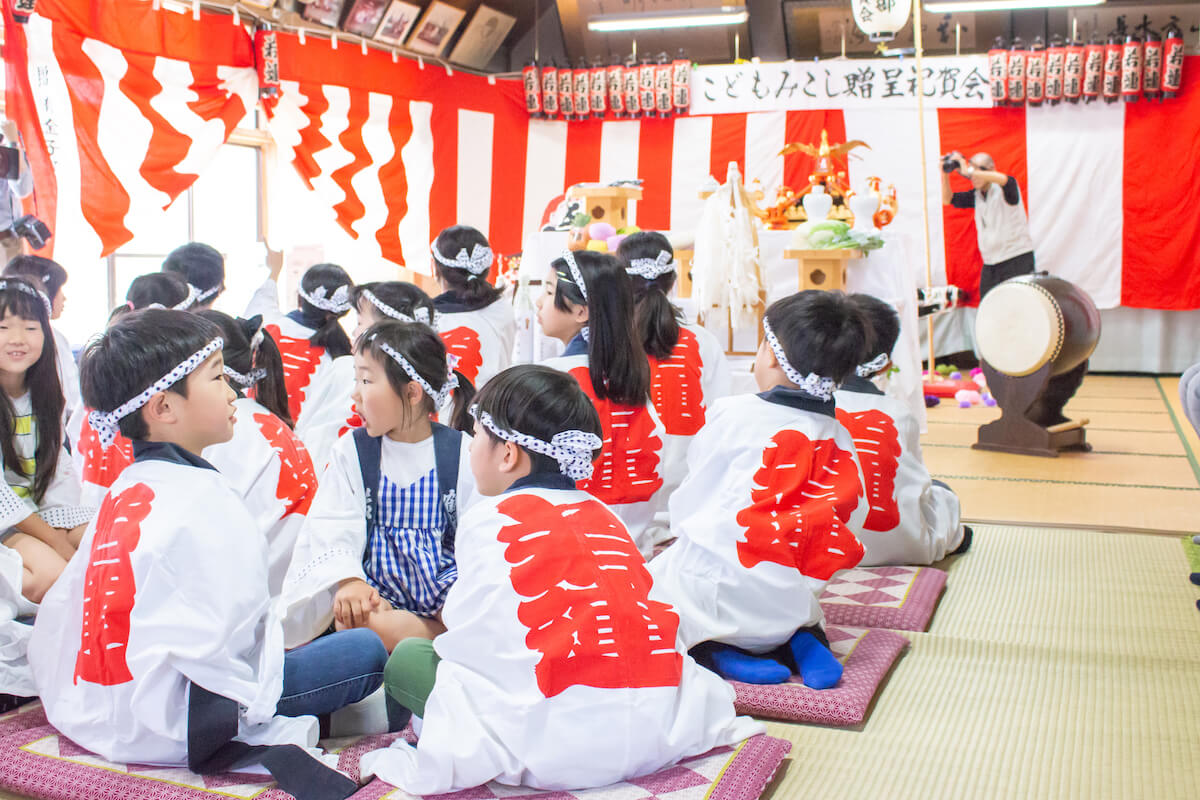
x: 325, y: 12
x: 364, y: 16
x: 482, y: 37
x: 397, y: 22
x: 433, y: 32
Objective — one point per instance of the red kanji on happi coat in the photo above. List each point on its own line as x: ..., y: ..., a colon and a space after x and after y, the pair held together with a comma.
x: 102, y: 467
x: 463, y: 343
x: 627, y: 470
x: 585, y: 598
x: 297, y: 478
x: 878, y: 444
x: 802, y: 496
x: 675, y: 387
x: 109, y: 588
x: 300, y: 360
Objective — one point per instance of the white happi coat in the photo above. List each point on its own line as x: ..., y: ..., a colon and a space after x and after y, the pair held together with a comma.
x: 631, y: 471
x: 333, y: 539
x: 304, y: 365
x: 763, y: 520
x: 910, y: 520
x: 60, y: 507
x: 557, y: 672
x: 682, y: 388
x: 167, y: 588
x: 330, y: 411
x: 269, y: 468
x: 482, y: 339
x: 264, y: 462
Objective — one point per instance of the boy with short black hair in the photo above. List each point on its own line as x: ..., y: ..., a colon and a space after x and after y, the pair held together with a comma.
x: 203, y: 267
x: 912, y: 519
x: 157, y: 645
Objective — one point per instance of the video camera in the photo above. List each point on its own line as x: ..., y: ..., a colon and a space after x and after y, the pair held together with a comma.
x: 32, y: 230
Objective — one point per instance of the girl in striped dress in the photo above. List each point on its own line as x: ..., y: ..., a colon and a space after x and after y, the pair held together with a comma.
x: 377, y: 547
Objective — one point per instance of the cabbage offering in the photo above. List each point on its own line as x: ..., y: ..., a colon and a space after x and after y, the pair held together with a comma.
x: 832, y: 234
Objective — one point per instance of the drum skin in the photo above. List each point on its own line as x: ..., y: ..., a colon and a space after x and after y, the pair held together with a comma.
x: 1047, y: 307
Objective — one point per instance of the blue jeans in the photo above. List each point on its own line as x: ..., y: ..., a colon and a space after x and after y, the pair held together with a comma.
x: 331, y: 672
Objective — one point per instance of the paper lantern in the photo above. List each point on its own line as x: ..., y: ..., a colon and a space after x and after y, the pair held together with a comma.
x: 550, y: 91
x: 616, y: 89
x: 629, y: 85
x: 646, y: 88
x: 1016, y: 72
x: 1093, y: 69
x: 566, y: 92
x: 1035, y: 73
x: 583, y: 90
x: 681, y: 83
x: 998, y: 72
x: 1152, y: 61
x: 663, y: 88
x: 1112, y: 70
x: 1131, y: 69
x: 266, y: 57
x: 1073, y: 72
x: 598, y: 77
x: 1172, y: 61
x: 1056, y: 58
x: 532, y: 83
x: 880, y: 20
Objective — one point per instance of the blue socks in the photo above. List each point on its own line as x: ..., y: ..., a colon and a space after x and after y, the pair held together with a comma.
x: 815, y: 662
x: 735, y: 665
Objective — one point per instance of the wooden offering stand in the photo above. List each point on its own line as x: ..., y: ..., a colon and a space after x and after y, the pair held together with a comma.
x: 607, y: 203
x: 1014, y: 432
x: 823, y: 269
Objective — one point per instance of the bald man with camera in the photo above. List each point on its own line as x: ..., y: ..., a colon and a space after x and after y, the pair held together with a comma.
x: 1000, y: 221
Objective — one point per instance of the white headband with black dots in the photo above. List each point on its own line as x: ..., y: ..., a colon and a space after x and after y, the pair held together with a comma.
x: 576, y: 275
x: 477, y: 263
x: 29, y: 290
x: 651, y: 268
x: 819, y: 387
x: 419, y: 315
x: 106, y: 424
x: 440, y: 396
x: 571, y: 449
x: 337, y: 303
x: 245, y: 380
x: 871, y: 367
x: 200, y: 295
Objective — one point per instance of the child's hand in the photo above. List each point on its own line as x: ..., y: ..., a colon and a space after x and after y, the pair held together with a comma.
x: 354, y: 602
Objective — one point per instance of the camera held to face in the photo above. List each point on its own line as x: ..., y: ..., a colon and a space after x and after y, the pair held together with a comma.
x: 950, y: 161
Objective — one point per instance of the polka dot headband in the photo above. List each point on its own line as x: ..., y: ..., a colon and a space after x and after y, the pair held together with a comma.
x: 29, y: 290
x: 338, y: 303
x: 203, y: 294
x: 183, y: 305
x: 571, y: 449
x: 818, y: 387
x: 245, y: 380
x: 440, y: 396
x: 871, y: 367
x: 651, y: 268
x: 576, y: 275
x: 106, y: 424
x: 419, y: 315
x: 477, y: 263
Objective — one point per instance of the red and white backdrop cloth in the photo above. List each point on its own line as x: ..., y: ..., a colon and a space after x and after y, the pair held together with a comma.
x: 121, y: 110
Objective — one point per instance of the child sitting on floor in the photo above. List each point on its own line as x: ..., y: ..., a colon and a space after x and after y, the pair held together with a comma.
x: 310, y: 336
x: 52, y: 278
x: 556, y: 670
x: 762, y: 517
x: 588, y: 306
x: 377, y: 547
x: 912, y: 519
x: 157, y: 644
x: 478, y: 324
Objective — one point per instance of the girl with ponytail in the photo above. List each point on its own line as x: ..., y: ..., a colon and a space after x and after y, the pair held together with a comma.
x: 310, y: 337
x: 478, y: 324
x: 688, y: 369
x: 264, y: 462
x: 588, y: 305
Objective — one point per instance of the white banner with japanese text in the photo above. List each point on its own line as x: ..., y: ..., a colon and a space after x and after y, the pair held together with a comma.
x: 949, y: 82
